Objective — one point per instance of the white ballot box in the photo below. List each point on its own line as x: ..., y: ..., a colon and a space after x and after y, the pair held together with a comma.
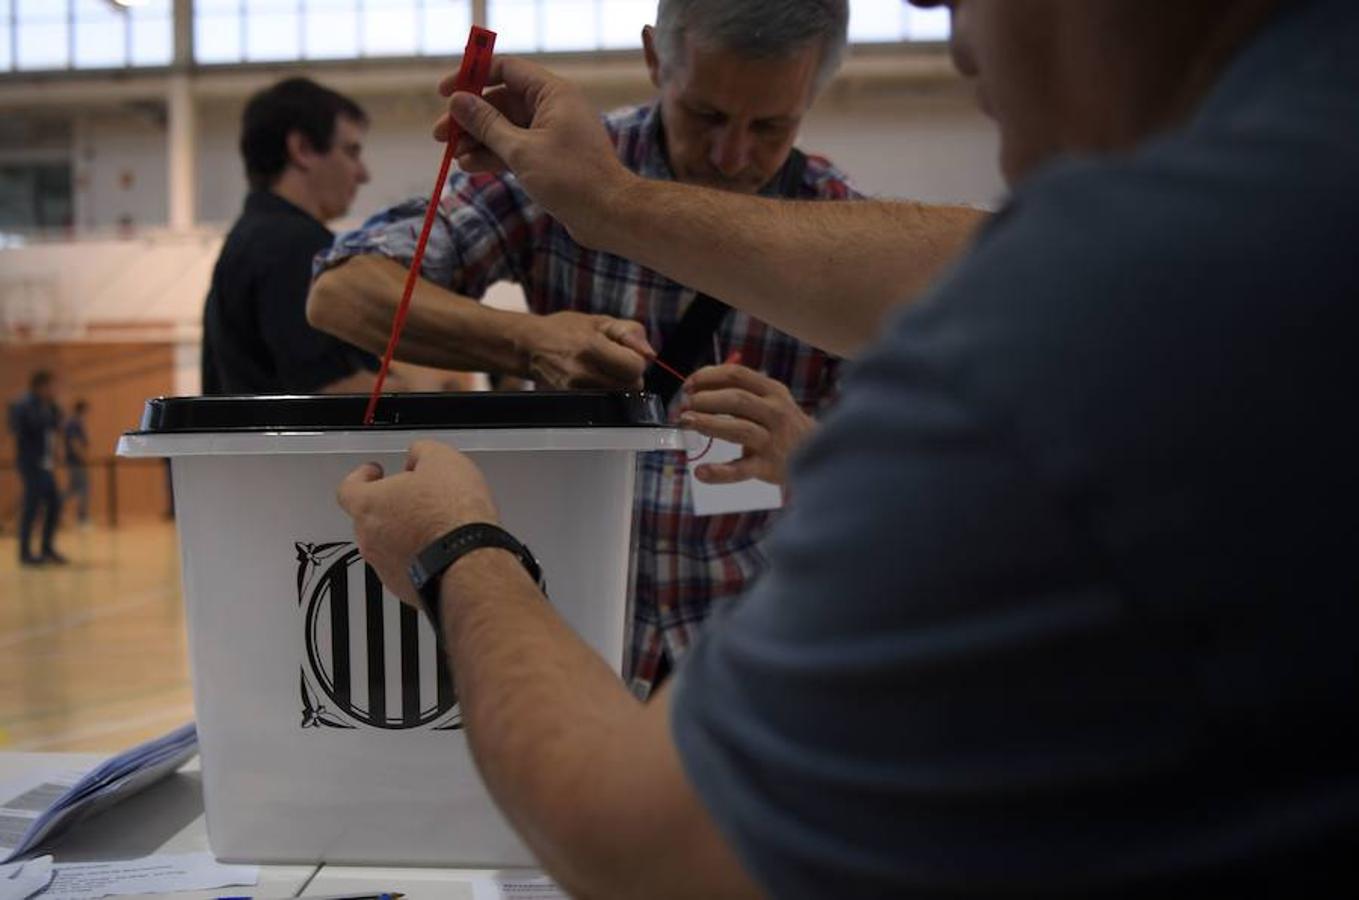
x: 329, y: 728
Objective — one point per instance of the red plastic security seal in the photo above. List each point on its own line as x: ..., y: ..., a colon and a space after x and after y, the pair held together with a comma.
x: 733, y: 360
x: 472, y: 76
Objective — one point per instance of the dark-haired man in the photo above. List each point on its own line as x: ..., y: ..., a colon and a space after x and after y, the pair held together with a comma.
x: 302, y: 145
x: 34, y: 418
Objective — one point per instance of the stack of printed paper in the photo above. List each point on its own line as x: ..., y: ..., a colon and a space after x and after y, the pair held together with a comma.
x: 36, y: 809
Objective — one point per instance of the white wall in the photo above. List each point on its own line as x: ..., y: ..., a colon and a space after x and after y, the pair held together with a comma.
x: 927, y: 144
x: 188, y: 379
x: 937, y: 149
x: 221, y: 177
x: 401, y: 156
x: 931, y: 146
x: 119, y: 166
x: 148, y: 288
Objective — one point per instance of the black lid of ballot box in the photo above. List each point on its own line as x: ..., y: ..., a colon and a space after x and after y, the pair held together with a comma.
x: 344, y: 412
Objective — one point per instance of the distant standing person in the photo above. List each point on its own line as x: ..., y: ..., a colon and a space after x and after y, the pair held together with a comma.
x: 302, y: 145
x: 34, y: 419
x: 76, y: 445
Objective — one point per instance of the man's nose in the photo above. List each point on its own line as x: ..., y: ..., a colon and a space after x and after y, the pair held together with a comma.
x: 731, y: 150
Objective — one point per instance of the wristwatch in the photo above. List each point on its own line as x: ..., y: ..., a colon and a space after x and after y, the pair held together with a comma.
x: 434, y: 560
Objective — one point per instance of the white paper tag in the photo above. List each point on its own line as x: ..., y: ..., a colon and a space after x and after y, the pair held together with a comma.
x: 743, y: 496
x: 21, y: 880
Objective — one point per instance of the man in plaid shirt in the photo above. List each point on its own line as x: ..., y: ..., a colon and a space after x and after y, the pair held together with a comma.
x: 734, y: 84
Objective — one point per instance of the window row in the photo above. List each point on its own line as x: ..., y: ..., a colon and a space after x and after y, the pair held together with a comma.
x: 38, y: 35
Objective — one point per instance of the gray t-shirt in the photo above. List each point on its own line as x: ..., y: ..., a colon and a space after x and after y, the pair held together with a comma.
x: 1068, y: 600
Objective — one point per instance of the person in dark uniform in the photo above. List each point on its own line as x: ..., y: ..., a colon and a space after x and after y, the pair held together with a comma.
x: 34, y: 419
x: 302, y: 146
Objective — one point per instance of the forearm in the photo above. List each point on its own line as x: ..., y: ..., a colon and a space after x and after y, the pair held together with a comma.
x: 360, y: 381
x: 539, y: 705
x: 825, y: 272
x: 358, y: 299
x: 425, y: 379
x: 585, y: 772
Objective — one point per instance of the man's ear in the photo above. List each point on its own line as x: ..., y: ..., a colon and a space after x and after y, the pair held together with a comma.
x: 653, y: 59
x: 300, y: 151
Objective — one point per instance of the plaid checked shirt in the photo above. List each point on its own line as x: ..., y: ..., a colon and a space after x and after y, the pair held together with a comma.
x: 489, y: 230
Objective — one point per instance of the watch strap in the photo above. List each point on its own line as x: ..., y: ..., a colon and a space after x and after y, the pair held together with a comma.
x: 431, y: 563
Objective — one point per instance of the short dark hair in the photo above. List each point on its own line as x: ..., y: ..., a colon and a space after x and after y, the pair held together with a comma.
x: 294, y: 104
x: 39, y: 379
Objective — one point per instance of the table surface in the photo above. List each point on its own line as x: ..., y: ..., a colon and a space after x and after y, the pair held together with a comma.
x: 168, y: 818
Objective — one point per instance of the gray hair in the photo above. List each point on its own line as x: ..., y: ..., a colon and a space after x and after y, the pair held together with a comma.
x: 760, y: 29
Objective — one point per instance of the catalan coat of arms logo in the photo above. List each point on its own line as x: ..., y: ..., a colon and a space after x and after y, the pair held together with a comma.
x: 371, y: 661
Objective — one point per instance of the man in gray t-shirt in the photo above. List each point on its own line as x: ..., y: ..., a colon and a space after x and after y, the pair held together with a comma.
x: 1066, y: 599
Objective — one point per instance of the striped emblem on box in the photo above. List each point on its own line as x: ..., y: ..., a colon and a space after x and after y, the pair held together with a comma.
x: 370, y: 659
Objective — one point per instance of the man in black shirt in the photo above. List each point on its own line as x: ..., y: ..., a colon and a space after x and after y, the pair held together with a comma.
x: 302, y: 146
x: 34, y: 418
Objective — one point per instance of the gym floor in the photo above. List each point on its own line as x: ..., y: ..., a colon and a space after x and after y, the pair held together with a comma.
x: 93, y: 654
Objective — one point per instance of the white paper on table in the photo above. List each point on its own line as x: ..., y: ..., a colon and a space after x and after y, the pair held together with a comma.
x: 42, y: 805
x: 519, y: 886
x: 743, y: 496
x: 158, y: 874
x: 23, y: 800
x: 21, y: 880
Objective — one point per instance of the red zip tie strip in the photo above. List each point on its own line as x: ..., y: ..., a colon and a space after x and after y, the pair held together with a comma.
x: 734, y: 359
x: 666, y: 367
x: 472, y: 75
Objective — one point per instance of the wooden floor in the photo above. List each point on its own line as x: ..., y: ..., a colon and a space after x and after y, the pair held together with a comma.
x: 92, y: 655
